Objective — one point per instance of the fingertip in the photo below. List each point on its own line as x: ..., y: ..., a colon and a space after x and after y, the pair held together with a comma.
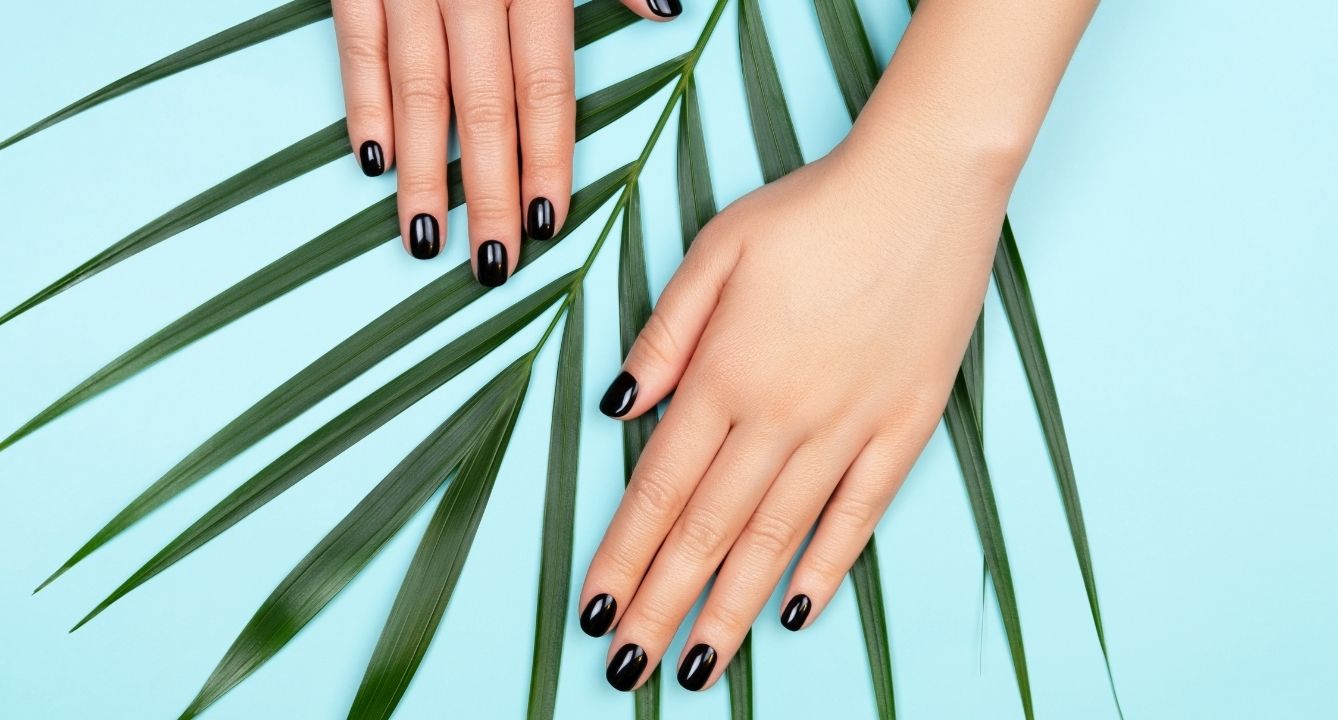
x: 620, y: 397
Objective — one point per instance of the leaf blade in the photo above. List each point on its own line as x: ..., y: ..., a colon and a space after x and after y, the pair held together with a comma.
x: 777, y: 144
x: 696, y: 194
x: 867, y: 578
x: 849, y: 51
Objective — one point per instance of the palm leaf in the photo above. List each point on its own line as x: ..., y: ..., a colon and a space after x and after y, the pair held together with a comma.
x: 965, y: 434
x: 1011, y: 279
x: 777, y: 144
x: 342, y: 554
x: 866, y: 576
x: 394, y: 329
x: 696, y: 198
x: 343, y: 432
x: 564, y: 453
x: 436, y: 567
x: 740, y: 678
x: 278, y: 21
x: 849, y: 50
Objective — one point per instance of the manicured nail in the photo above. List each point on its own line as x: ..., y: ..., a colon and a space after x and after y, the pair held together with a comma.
x: 796, y: 612
x: 424, y: 237
x: 620, y: 396
x: 665, y: 8
x: 697, y: 667
x: 626, y: 667
x: 539, y: 222
x: 598, y: 615
x: 492, y: 263
x: 372, y: 159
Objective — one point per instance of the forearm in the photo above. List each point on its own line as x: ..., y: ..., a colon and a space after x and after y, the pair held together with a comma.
x: 971, y: 81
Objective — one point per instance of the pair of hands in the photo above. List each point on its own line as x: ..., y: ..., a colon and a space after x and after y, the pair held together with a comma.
x: 812, y: 332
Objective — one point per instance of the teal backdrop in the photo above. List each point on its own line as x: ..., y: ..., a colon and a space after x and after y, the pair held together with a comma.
x: 1177, y: 219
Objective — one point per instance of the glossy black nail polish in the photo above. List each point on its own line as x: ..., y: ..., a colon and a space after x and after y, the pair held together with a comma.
x: 626, y: 667
x: 424, y: 237
x: 796, y: 612
x: 539, y: 220
x: 665, y: 8
x: 620, y: 396
x: 697, y: 667
x: 371, y: 158
x: 598, y: 615
x: 492, y: 263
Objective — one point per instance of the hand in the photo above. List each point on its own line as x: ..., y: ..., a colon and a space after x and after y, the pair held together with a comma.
x: 813, y: 332
x: 508, y: 65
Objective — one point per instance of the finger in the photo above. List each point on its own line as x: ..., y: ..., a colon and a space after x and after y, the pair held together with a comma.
x: 360, y: 27
x: 419, y: 86
x: 845, y: 527
x: 655, y: 9
x: 758, y: 558
x: 662, y: 350
x: 485, y: 108
x: 541, y: 52
x: 715, y: 515
x: 674, y: 460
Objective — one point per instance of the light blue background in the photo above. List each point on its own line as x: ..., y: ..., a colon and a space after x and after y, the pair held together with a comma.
x: 1177, y: 221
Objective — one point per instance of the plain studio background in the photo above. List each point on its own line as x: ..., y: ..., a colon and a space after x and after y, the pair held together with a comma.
x: 1177, y: 223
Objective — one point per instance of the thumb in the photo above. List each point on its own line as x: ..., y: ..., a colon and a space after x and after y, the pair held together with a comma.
x: 665, y: 345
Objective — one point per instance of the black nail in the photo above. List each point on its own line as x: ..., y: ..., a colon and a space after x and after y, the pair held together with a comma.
x: 619, y: 397
x: 796, y: 612
x: 539, y: 223
x: 424, y: 237
x: 626, y: 667
x: 372, y: 159
x: 665, y: 8
x: 492, y: 264
x: 697, y: 667
x: 598, y: 615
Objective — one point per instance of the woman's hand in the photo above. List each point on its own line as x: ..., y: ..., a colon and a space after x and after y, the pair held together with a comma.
x: 508, y: 66
x: 813, y: 332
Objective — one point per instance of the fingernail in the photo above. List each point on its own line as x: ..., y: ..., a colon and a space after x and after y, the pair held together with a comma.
x: 626, y: 667
x: 697, y: 667
x: 619, y: 397
x: 372, y: 159
x: 796, y: 612
x: 492, y: 263
x: 539, y: 220
x: 665, y: 8
x: 598, y: 615
x: 424, y: 237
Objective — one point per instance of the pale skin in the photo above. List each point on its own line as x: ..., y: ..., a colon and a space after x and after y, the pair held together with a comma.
x: 810, y: 337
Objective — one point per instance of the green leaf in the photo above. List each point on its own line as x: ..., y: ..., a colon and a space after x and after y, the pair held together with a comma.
x: 394, y: 329
x: 740, y: 678
x: 435, y: 569
x: 965, y: 435
x: 305, y: 155
x: 274, y: 23
x: 647, y: 698
x: 849, y: 51
x: 564, y: 453
x: 868, y: 581
x: 777, y: 144
x: 347, y: 549
x: 343, y: 432
x: 1011, y: 279
x: 594, y: 20
x: 696, y: 197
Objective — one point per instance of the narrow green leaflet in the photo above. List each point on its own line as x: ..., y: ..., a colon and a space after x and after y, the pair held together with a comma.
x: 777, y: 144
x: 849, y: 50
x: 343, y: 432
x: 696, y: 196
x: 564, y: 454
x: 1011, y: 279
x: 647, y: 698
x: 601, y: 18
x: 602, y: 107
x: 868, y: 582
x: 436, y: 567
x: 347, y: 549
x: 394, y: 329
x: 965, y: 435
x: 307, y: 154
x: 739, y: 675
x: 278, y: 21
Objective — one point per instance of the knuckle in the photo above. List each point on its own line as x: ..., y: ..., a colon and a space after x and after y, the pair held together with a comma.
x: 485, y: 114
x: 422, y: 92
x: 652, y: 619
x: 421, y: 184
x: 656, y: 346
x: 487, y: 210
x: 726, y: 617
x: 363, y: 53
x: 544, y: 91
x: 821, y: 566
x: 857, y: 513
x: 702, y: 532
x: 771, y: 535
x: 367, y: 109
x: 653, y: 493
